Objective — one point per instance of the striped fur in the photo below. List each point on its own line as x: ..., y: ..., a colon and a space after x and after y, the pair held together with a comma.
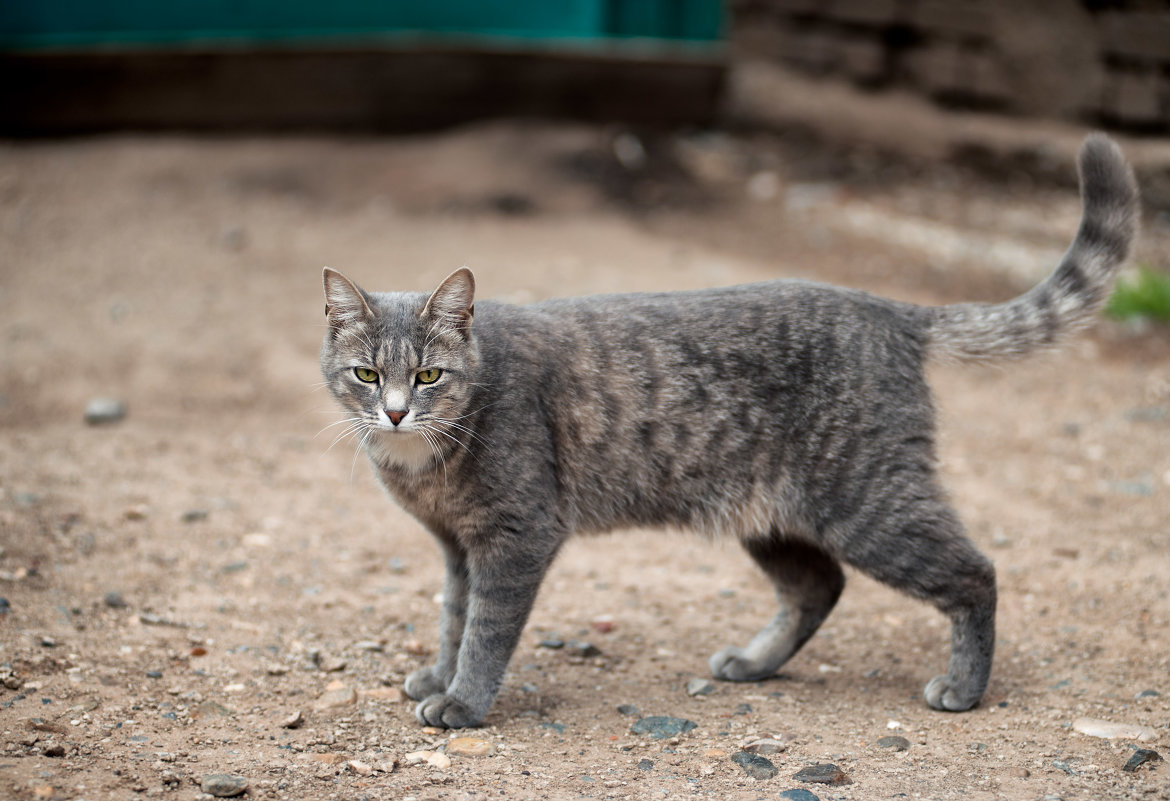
x: 1075, y: 291
x: 791, y: 416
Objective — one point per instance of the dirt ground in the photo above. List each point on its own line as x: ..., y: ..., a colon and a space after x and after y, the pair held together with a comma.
x: 179, y: 585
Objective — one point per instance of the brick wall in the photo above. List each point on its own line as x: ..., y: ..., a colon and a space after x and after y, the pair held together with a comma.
x: 1100, y: 61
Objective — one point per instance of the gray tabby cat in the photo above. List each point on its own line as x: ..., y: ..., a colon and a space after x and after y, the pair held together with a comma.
x: 792, y: 416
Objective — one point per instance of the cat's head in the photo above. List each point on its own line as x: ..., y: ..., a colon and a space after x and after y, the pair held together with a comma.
x: 402, y: 365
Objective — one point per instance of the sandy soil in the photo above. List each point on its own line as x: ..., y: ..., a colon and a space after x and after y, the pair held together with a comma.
x: 180, y: 584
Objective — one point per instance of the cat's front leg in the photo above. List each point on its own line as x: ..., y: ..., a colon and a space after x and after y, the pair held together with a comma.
x: 432, y: 679
x: 503, y: 579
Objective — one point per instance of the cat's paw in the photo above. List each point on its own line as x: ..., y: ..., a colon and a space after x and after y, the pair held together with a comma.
x: 423, y: 683
x: 446, y: 712
x: 733, y: 664
x: 943, y: 694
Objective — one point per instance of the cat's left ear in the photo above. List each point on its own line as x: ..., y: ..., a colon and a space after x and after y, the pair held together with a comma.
x: 453, y: 303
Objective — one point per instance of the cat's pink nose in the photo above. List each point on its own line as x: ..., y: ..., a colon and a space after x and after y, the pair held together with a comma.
x: 396, y: 417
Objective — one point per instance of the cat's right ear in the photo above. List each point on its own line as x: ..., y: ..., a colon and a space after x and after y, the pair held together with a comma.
x: 345, y: 303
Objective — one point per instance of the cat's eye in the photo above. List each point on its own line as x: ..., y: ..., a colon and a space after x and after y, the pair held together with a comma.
x: 428, y: 376
x: 366, y: 374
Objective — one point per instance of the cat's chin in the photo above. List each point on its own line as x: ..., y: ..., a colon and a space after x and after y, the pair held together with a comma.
x: 405, y: 449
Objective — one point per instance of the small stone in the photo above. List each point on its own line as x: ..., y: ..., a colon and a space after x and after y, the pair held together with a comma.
x: 799, y: 794
x: 100, y: 411
x: 582, y: 649
x: 5, y: 607
x: 154, y: 674
x: 602, y: 623
x: 392, y: 694
x: 335, y: 698
x: 114, y: 600
x: 439, y: 760
x: 418, y: 757
x: 822, y: 774
x: 371, y: 646
x: 55, y: 750
x: 1146, y: 694
x: 645, y: 764
x: 414, y: 647
x: 293, y: 720
x: 717, y: 753
x: 755, y: 766
x: 660, y: 727
x: 553, y: 643
x: 628, y: 709
x: 470, y: 746
x: 894, y: 743
x: 765, y: 747
x: 1019, y: 773
x: 48, y: 642
x: 1110, y: 731
x: 1141, y: 757
x: 207, y: 709
x: 138, y: 511
x: 700, y: 686
x: 223, y: 785
x: 328, y: 758
x: 331, y: 664
x: 359, y: 767
x: 276, y: 669
x: 194, y: 515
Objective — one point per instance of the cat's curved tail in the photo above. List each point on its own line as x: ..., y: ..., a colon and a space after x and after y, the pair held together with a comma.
x: 1069, y: 298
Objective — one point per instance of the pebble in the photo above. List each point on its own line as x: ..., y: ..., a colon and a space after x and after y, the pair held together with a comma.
x: 1111, y: 731
x: 194, y: 515
x: 552, y: 643
x: 5, y: 607
x: 602, y: 623
x: 645, y: 764
x: 331, y: 664
x: 223, y: 785
x: 1146, y: 694
x: 755, y: 766
x: 470, y: 746
x: 894, y: 743
x: 392, y: 694
x: 822, y: 774
x: 360, y: 768
x: 294, y: 720
x: 582, y: 649
x: 628, y: 709
x: 660, y: 727
x: 436, y: 759
x: 56, y: 750
x: 1019, y: 773
x: 104, y: 410
x: 1141, y: 757
x: 114, y: 600
x: 798, y: 794
x: 765, y: 746
x: 336, y: 697
x: 372, y: 646
x: 700, y: 686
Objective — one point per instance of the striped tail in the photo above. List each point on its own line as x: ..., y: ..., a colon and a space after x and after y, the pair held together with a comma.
x: 1076, y: 290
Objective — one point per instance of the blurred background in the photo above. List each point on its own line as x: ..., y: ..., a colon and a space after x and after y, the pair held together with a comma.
x: 180, y: 527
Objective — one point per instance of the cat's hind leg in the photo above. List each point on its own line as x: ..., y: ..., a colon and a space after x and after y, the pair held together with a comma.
x: 808, y: 583
x: 924, y: 552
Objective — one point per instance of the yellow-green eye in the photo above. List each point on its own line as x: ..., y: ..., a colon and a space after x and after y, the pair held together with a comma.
x: 366, y: 374
x: 428, y: 376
